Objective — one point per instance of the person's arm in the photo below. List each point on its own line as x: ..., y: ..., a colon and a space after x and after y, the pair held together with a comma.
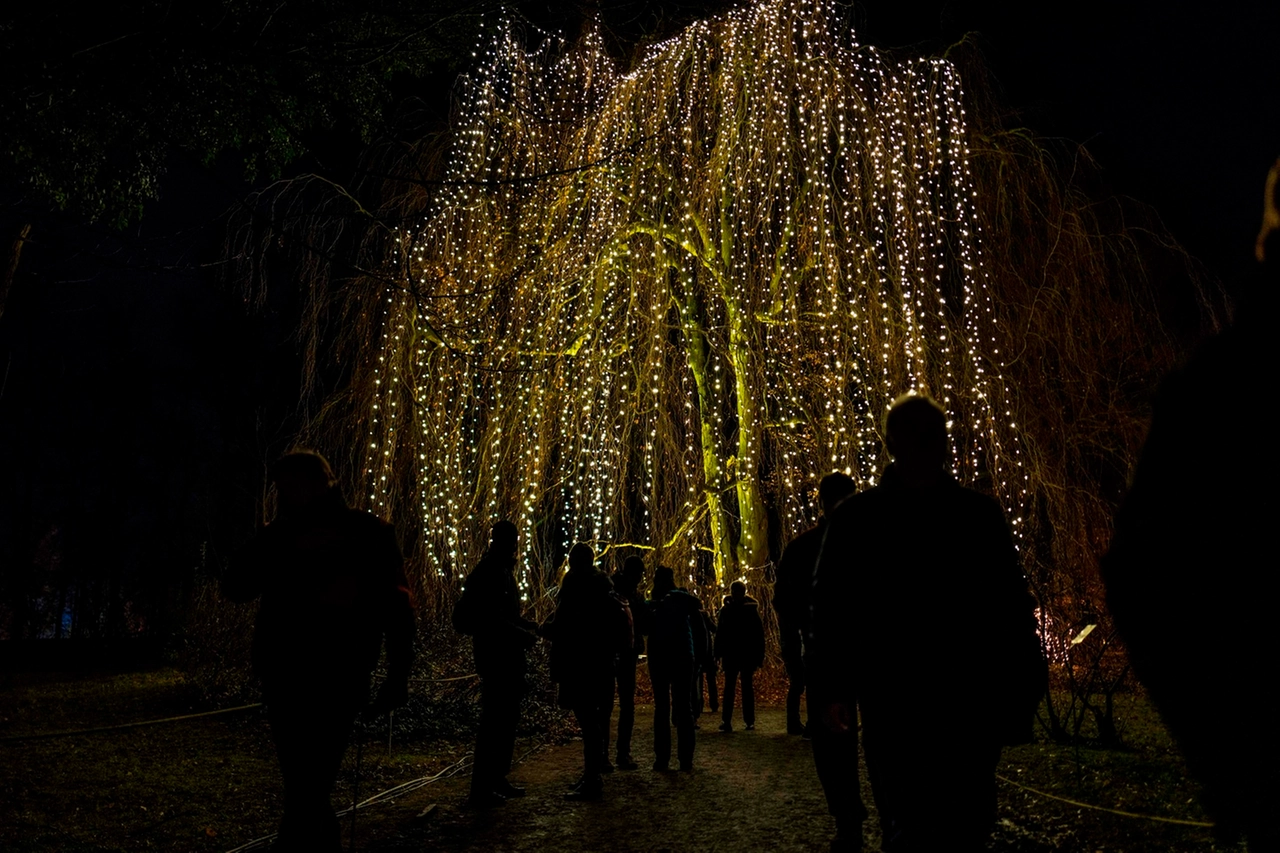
x: 697, y: 627
x: 757, y: 641
x: 827, y: 675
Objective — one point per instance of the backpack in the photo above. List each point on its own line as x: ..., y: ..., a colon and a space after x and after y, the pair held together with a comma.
x: 624, y: 630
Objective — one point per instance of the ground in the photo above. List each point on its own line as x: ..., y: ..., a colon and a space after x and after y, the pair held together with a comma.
x: 210, y: 785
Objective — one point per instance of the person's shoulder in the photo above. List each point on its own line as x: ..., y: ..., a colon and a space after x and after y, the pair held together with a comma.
x: 366, y: 522
x: 858, y: 503
x: 483, y: 569
x: 687, y: 599
x: 804, y: 541
x: 976, y: 502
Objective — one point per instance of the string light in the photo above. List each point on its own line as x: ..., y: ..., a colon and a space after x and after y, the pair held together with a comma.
x: 654, y: 307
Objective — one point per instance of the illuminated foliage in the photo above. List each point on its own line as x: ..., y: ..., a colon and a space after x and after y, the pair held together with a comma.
x: 654, y: 307
x: 648, y: 306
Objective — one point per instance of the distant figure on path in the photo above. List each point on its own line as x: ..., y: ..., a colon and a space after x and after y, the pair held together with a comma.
x: 705, y: 691
x: 793, y: 589
x: 1193, y: 555
x: 675, y: 631
x: 626, y: 583
x: 489, y: 610
x: 590, y: 627
x: 332, y: 585
x: 921, y: 616
x: 740, y: 648
x: 835, y: 753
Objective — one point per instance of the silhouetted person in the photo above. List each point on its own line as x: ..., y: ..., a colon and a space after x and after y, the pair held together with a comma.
x: 675, y: 631
x: 922, y: 617
x: 1188, y: 567
x: 332, y: 587
x: 588, y: 630
x: 626, y: 583
x: 705, y: 668
x: 792, y: 590
x: 490, y: 612
x: 739, y: 647
x: 835, y: 753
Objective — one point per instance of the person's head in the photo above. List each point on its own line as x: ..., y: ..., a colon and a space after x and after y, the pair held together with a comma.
x: 1267, y: 247
x: 915, y: 432
x: 632, y: 573
x: 502, y: 538
x: 664, y: 580
x: 581, y: 558
x: 304, y: 482
x: 738, y: 591
x: 834, y: 488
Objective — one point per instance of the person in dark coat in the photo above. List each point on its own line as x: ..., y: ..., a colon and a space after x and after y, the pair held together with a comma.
x: 835, y: 753
x: 490, y: 612
x: 1185, y: 566
x: 793, y: 587
x: 626, y: 583
x: 919, y: 603
x: 739, y: 647
x: 332, y: 588
x: 675, y: 631
x: 705, y: 669
x: 588, y: 630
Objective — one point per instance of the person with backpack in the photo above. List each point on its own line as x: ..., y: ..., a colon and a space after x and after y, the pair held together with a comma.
x: 590, y: 627
x: 490, y: 612
x: 675, y: 633
x: 740, y: 647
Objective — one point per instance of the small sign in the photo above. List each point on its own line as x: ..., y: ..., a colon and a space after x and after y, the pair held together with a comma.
x: 1088, y: 629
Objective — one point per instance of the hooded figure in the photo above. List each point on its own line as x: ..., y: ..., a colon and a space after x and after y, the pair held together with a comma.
x: 739, y: 647
x: 332, y: 588
x: 1186, y: 571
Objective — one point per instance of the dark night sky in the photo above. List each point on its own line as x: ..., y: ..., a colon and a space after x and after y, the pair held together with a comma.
x: 1178, y: 103
x: 115, y: 378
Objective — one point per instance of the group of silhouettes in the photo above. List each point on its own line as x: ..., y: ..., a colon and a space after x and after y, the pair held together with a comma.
x: 874, y: 617
x: 904, y: 616
x: 601, y: 629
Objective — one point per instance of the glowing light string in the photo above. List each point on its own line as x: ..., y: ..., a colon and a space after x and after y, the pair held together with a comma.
x: 739, y: 253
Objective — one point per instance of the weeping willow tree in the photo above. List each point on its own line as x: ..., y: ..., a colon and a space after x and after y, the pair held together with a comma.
x: 651, y: 307
x: 647, y: 307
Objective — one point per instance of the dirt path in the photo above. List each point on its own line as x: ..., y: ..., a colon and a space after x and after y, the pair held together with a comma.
x: 752, y: 790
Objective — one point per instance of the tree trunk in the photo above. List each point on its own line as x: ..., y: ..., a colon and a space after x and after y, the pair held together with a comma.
x: 712, y: 472
x: 753, y: 537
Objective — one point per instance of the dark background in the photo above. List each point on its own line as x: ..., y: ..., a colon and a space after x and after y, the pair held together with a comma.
x: 140, y: 395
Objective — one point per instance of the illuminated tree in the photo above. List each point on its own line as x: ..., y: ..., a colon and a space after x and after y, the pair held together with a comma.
x: 649, y: 307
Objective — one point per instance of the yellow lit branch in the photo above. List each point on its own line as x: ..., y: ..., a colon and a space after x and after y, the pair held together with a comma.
x: 731, y: 259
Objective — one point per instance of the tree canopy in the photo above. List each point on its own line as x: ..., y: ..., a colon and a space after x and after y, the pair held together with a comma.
x: 97, y: 97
